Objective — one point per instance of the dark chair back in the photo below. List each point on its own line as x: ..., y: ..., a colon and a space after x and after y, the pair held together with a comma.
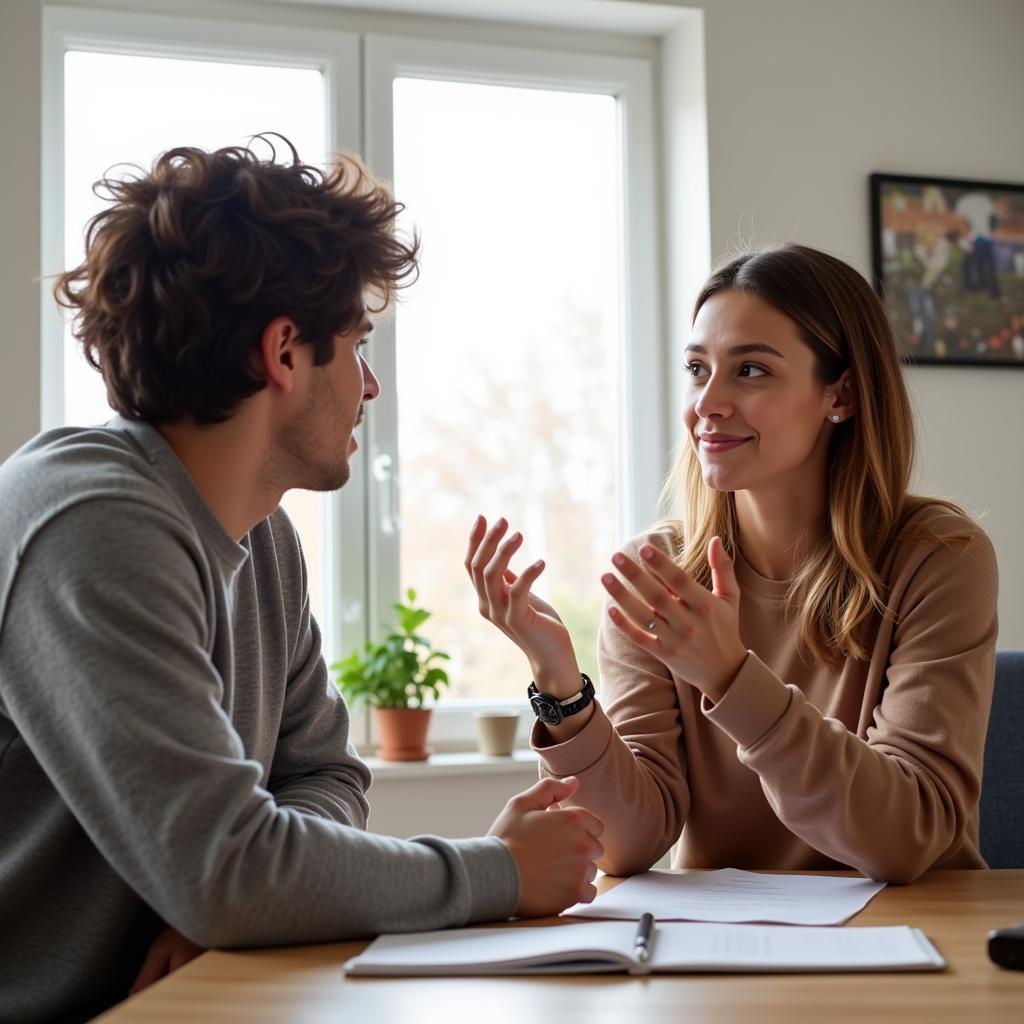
x: 1002, y: 787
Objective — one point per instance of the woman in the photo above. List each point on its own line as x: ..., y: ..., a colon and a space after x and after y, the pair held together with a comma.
x: 797, y: 668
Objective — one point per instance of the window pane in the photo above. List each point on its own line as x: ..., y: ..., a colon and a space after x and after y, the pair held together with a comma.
x: 127, y: 109
x: 508, y: 351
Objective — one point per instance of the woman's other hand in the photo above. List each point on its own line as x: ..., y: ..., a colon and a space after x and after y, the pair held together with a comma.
x: 694, y: 633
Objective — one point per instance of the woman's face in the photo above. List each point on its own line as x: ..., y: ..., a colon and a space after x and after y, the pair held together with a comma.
x: 753, y: 408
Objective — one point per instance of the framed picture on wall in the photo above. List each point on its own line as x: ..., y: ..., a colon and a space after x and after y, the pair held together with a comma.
x: 948, y: 262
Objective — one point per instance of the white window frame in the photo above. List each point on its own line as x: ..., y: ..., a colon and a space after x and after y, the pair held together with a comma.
x: 643, y: 441
x: 362, y: 580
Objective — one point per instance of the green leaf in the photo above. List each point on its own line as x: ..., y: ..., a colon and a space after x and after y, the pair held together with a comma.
x: 434, y: 677
x: 410, y: 619
x: 397, y: 671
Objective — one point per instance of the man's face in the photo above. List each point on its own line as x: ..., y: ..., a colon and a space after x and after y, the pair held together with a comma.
x: 319, y: 442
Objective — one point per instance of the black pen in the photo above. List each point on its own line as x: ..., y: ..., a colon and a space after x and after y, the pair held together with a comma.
x: 642, y: 942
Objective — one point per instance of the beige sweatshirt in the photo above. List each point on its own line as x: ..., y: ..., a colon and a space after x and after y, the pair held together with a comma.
x: 873, y: 765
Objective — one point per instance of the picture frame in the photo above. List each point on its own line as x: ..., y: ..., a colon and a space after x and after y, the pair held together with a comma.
x: 948, y: 265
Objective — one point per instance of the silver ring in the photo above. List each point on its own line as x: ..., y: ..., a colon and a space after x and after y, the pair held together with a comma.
x: 650, y: 625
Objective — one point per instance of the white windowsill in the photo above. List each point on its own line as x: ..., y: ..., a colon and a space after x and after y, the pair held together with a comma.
x: 464, y: 763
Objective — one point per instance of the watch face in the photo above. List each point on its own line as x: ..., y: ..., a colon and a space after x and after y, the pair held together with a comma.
x: 547, y: 709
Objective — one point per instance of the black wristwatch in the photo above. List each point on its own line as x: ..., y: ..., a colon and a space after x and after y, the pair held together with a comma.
x: 550, y: 710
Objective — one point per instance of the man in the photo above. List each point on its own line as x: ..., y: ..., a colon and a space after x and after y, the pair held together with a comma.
x: 171, y: 750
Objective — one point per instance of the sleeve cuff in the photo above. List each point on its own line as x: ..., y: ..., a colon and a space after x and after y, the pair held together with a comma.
x: 752, y: 706
x: 493, y: 878
x: 574, y: 756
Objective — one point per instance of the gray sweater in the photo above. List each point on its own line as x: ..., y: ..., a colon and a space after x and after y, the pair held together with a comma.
x: 170, y: 744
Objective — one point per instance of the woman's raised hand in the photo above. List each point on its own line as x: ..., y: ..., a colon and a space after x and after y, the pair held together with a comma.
x: 694, y: 633
x: 505, y: 599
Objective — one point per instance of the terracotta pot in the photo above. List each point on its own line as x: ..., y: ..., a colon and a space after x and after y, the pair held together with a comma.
x: 403, y: 733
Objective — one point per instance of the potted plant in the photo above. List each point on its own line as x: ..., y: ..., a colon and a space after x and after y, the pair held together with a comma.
x: 394, y: 677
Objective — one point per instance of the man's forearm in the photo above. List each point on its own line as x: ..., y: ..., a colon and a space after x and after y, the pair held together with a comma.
x: 333, y: 792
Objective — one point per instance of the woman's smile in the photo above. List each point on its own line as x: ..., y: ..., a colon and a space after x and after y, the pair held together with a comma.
x: 715, y: 442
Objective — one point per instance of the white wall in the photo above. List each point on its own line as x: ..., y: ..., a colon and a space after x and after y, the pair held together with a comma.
x: 805, y: 99
x: 453, y: 795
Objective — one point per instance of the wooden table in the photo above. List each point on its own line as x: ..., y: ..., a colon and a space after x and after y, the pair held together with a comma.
x: 305, y: 984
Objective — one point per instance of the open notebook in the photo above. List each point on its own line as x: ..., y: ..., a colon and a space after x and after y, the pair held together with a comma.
x: 607, y: 946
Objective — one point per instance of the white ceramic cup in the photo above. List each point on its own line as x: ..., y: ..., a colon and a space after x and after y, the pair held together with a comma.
x: 496, y: 733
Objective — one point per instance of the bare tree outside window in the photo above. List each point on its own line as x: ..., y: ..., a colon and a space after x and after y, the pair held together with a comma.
x: 509, y: 354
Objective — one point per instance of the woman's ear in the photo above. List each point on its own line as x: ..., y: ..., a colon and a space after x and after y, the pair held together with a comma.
x: 841, y: 398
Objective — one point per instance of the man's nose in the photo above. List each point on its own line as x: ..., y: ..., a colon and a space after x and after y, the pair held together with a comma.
x: 371, y: 386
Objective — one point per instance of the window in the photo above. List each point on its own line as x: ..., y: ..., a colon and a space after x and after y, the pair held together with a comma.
x: 521, y: 373
x: 525, y: 358
x: 508, y: 353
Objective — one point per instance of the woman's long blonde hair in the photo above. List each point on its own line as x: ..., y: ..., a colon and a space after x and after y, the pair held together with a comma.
x: 836, y: 587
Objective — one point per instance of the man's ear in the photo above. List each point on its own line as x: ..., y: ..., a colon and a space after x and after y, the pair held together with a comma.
x: 277, y: 352
x: 842, y: 396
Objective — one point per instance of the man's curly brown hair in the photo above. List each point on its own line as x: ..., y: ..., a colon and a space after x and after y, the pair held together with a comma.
x: 193, y: 259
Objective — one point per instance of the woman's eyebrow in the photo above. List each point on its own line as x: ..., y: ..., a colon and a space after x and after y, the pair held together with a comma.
x: 739, y: 350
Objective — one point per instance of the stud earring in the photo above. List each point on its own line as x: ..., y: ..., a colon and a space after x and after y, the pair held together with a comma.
x: 835, y: 419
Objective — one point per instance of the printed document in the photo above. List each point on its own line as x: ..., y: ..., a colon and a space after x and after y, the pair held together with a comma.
x: 730, y: 895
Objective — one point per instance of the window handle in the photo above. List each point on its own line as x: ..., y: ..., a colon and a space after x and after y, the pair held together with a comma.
x: 387, y: 482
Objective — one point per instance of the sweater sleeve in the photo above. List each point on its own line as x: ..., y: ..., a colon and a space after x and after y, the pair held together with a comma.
x: 315, y: 769
x: 892, y: 802
x: 107, y: 679
x: 630, y: 757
